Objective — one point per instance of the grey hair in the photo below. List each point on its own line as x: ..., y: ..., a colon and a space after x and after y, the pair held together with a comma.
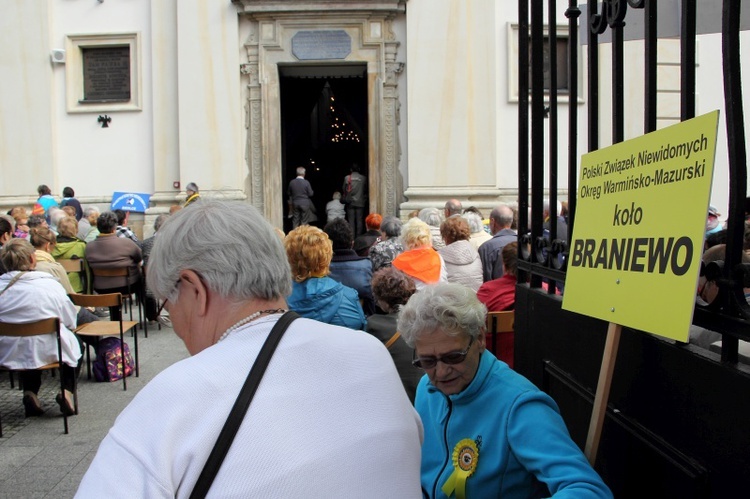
x: 431, y: 216
x: 229, y: 244
x: 337, y: 195
x: 160, y: 221
x: 453, y: 207
x: 474, y: 221
x: 391, y: 226
x: 449, y: 307
x: 56, y: 214
x: 90, y: 210
x: 502, y: 215
x: 300, y: 170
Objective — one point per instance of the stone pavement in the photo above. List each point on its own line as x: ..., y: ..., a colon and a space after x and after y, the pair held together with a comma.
x: 37, y: 459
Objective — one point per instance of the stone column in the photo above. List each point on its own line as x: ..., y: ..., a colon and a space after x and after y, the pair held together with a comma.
x: 253, y: 120
x: 391, y: 196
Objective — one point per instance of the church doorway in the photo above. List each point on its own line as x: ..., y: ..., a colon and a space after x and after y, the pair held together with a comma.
x: 323, y: 128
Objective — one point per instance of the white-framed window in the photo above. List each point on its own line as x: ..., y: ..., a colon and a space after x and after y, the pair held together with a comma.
x: 562, y: 64
x: 103, y: 73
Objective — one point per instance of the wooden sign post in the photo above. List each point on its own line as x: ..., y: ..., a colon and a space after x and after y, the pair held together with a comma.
x: 602, y: 391
x: 638, y: 239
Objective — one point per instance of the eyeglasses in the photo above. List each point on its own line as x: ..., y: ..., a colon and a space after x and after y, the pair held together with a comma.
x: 450, y: 358
x: 172, y: 296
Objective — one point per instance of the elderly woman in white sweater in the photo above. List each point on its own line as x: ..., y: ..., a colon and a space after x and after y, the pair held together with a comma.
x: 461, y: 257
x: 29, y: 295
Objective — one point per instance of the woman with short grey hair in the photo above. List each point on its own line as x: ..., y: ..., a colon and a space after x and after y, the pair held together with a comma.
x: 478, y: 236
x: 382, y: 254
x: 217, y: 240
x: 327, y: 392
x: 449, y: 308
x: 433, y: 217
x: 468, y: 393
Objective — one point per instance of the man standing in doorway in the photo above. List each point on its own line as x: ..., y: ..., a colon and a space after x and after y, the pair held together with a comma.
x: 300, y: 203
x: 355, y: 193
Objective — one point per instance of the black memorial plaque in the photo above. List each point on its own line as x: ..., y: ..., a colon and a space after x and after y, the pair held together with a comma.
x: 106, y: 74
x: 329, y: 44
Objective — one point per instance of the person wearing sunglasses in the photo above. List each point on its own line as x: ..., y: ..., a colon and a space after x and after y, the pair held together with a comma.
x: 488, y: 431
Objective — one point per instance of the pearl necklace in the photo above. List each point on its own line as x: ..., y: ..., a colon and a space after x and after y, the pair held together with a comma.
x: 249, y: 318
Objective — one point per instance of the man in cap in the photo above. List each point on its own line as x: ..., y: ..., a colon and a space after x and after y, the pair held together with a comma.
x: 192, y: 194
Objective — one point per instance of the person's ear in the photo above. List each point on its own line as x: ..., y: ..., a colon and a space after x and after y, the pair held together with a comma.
x: 196, y: 289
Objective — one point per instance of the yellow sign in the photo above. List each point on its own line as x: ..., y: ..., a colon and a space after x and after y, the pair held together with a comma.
x: 639, y: 228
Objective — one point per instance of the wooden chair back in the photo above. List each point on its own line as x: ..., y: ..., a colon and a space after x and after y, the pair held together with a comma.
x: 37, y: 328
x: 111, y: 271
x: 42, y: 326
x: 500, y: 335
x: 103, y: 328
x: 105, y: 300
x: 127, y: 288
x: 71, y: 264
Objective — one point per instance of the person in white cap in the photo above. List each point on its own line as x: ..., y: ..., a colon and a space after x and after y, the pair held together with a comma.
x: 192, y: 194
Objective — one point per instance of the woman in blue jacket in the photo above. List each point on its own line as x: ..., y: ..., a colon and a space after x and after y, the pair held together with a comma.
x: 488, y: 431
x: 314, y: 294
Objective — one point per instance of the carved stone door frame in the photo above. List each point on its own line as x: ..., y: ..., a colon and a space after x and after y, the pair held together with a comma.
x: 270, y: 28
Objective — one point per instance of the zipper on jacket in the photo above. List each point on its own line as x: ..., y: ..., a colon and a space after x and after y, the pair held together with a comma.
x: 445, y: 442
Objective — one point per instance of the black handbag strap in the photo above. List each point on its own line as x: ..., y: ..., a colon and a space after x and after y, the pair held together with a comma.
x: 237, y: 415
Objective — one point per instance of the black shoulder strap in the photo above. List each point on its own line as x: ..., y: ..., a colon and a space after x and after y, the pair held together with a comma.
x: 234, y: 420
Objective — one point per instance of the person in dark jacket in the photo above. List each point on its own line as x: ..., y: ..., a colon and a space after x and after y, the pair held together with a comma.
x: 314, y: 294
x: 300, y: 195
x: 6, y: 234
x: 69, y: 199
x: 364, y: 242
x: 392, y: 289
x: 355, y: 192
x: 347, y: 266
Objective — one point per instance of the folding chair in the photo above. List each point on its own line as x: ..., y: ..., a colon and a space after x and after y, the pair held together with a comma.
x: 500, y: 335
x: 106, y: 328
x: 126, y: 289
x: 37, y: 328
x: 75, y: 265
x: 146, y: 299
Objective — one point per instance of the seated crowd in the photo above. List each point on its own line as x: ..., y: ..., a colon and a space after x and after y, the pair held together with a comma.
x: 34, y: 284
x: 421, y: 289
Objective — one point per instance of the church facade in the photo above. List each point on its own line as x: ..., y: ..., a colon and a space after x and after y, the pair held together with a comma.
x: 233, y: 95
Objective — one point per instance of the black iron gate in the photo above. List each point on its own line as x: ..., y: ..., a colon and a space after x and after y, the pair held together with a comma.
x: 677, y: 418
